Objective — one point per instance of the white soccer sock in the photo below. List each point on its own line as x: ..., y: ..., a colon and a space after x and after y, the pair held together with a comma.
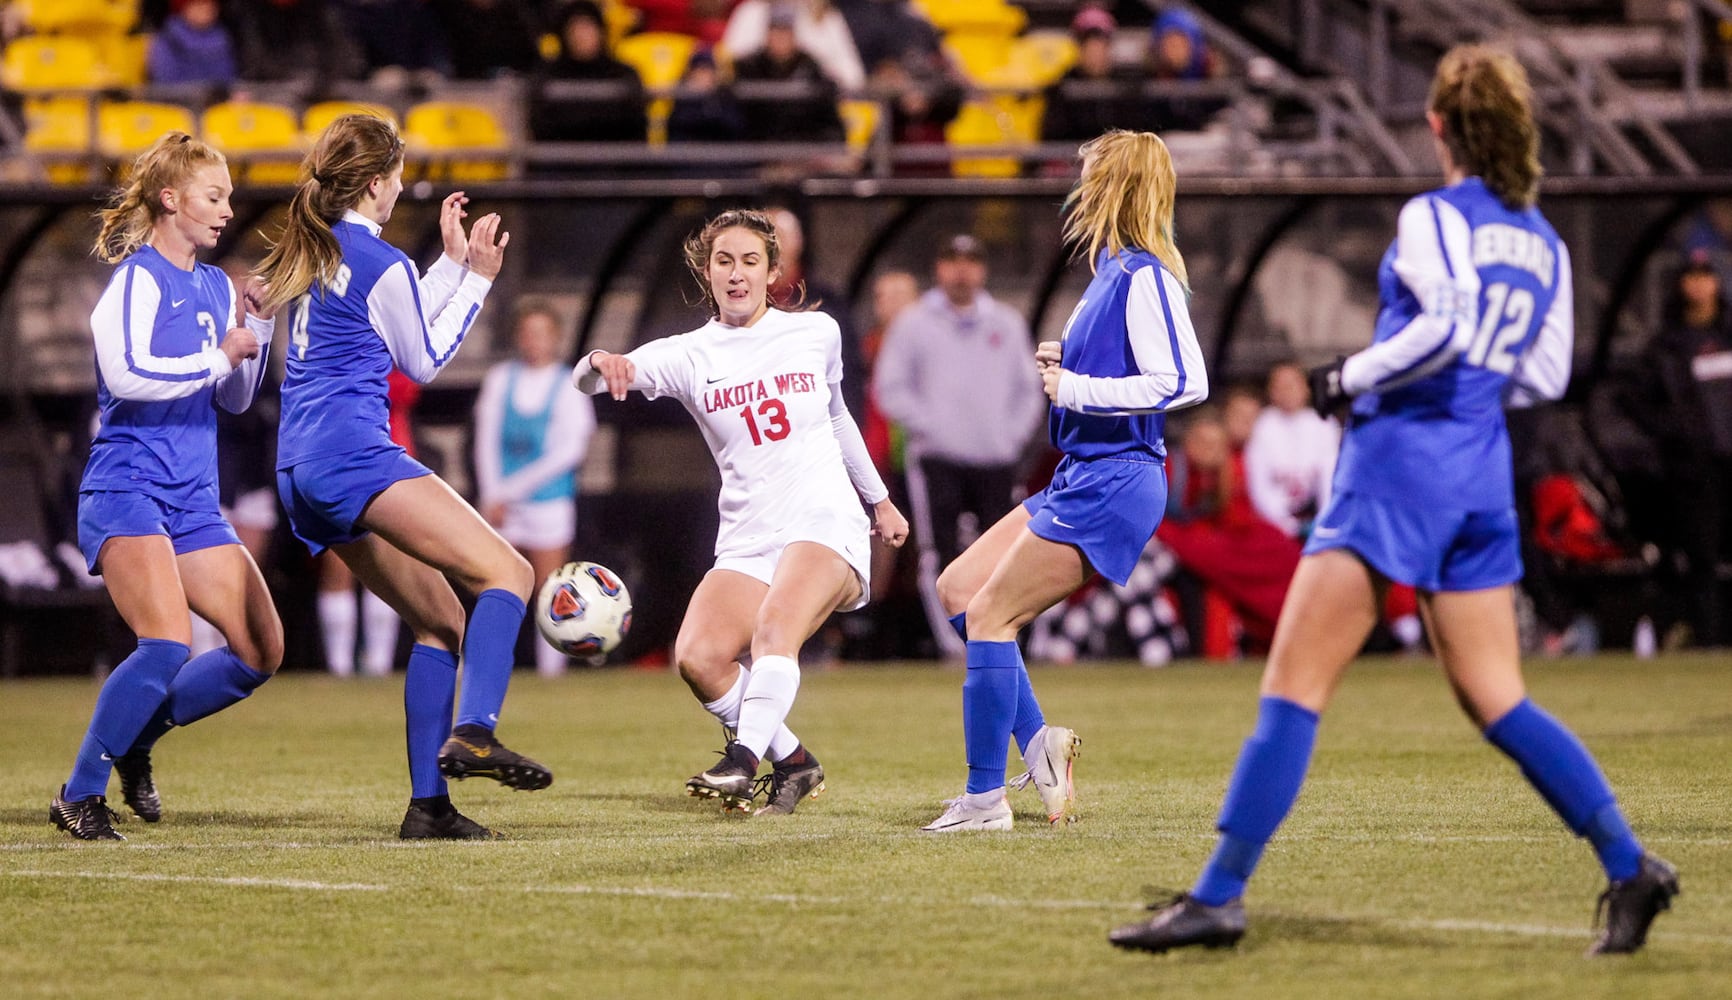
x: 727, y: 710
x: 549, y: 662
x: 381, y: 641
x: 782, y: 743
x: 337, y: 625
x: 775, y: 680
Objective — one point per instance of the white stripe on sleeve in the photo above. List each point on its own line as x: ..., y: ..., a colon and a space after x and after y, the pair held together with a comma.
x: 1169, y: 360
x: 124, y: 324
x: 422, y: 346
x: 1434, y: 259
x: 1544, y: 370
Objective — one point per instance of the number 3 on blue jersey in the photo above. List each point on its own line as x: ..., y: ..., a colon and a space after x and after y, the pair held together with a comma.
x: 207, y: 323
x: 1505, y: 316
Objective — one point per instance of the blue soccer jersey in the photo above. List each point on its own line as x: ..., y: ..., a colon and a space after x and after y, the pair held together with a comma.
x: 1129, y: 355
x: 345, y: 336
x: 1476, y: 314
x: 158, y: 371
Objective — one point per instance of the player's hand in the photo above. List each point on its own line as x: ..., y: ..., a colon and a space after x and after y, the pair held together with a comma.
x: 486, y: 256
x: 239, y: 345
x: 256, y: 298
x: 1049, y: 376
x: 617, y: 372
x: 451, y: 216
x: 1328, y: 398
x: 1048, y: 354
x: 889, y: 524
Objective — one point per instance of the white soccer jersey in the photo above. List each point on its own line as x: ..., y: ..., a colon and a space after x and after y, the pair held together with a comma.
x: 767, y: 399
x: 1289, y: 460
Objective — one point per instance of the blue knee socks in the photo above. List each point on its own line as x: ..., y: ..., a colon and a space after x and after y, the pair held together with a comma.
x: 209, y: 683
x: 129, y: 698
x: 1029, y: 719
x: 988, y: 710
x: 429, y: 691
x: 1565, y: 775
x: 1266, y: 782
x: 488, y: 648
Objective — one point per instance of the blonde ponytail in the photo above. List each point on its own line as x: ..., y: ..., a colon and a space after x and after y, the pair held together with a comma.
x: 348, y: 154
x: 132, y: 212
x: 1485, y: 102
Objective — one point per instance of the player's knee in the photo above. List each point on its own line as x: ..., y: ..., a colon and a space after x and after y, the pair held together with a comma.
x: 265, y: 654
x: 991, y: 619
x: 702, y: 664
x: 517, y: 576
x: 953, y: 592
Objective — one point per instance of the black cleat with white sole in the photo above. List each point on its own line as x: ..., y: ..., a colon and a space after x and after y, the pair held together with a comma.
x: 1182, y: 922
x: 733, y: 780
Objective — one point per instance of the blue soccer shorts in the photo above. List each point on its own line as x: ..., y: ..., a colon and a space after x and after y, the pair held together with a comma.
x: 1108, y: 508
x: 326, y: 496
x: 105, y: 514
x: 1424, y: 547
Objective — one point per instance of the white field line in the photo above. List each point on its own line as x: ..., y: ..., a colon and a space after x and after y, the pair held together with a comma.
x: 799, y: 900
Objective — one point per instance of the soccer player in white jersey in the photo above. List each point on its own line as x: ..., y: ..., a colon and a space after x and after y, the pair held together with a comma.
x: 168, y: 350
x: 1128, y: 356
x: 1476, y: 313
x: 765, y: 388
x: 357, y: 308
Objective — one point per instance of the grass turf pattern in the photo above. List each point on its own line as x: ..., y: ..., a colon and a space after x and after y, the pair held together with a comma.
x: 1417, y: 863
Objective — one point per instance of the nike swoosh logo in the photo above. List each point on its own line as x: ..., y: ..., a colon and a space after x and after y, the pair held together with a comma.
x: 177, y: 304
x: 719, y: 378
x: 482, y: 752
x: 1326, y: 532
x: 107, y: 757
x: 1062, y: 524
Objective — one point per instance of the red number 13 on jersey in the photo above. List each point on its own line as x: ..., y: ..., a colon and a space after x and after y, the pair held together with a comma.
x: 775, y: 421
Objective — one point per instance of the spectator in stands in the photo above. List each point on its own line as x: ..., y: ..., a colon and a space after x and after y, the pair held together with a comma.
x: 1239, y: 412
x: 1178, y: 52
x: 809, y: 116
x: 192, y: 47
x: 954, y: 373
x: 1094, y: 95
x: 705, y: 109
x: 1290, y: 455
x: 284, y: 39
x: 704, y: 20
x: 614, y: 117
x: 488, y: 38
x: 397, y: 35
x: 888, y: 31
x: 1682, y: 397
x: 1216, y: 535
x: 923, y: 98
x: 797, y: 285
x: 819, y: 31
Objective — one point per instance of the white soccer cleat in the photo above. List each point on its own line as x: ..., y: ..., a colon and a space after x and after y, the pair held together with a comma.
x: 960, y: 816
x: 1049, y: 770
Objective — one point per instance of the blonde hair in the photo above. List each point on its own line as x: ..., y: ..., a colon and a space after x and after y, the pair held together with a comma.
x: 348, y: 154
x: 1485, y: 102
x: 135, y: 208
x: 1125, y: 199
x: 700, y: 244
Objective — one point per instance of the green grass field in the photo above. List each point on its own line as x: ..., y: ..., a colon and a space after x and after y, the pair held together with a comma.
x: 1416, y: 864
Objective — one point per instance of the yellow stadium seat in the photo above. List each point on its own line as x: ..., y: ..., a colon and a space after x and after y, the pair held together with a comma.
x: 126, y: 128
x: 37, y: 63
x: 999, y: 121
x: 123, y: 57
x: 660, y: 57
x: 860, y: 118
x: 983, y: 59
x: 974, y: 17
x: 317, y: 116
x: 1042, y: 58
x: 58, y: 130
x: 83, y: 16
x: 437, y: 130
x: 262, y: 141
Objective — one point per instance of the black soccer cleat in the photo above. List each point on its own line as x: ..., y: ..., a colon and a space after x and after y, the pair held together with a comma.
x: 784, y: 787
x: 732, y: 779
x: 1182, y: 922
x: 87, y: 819
x: 438, y: 819
x: 1631, y: 905
x: 473, y: 752
x: 137, y: 787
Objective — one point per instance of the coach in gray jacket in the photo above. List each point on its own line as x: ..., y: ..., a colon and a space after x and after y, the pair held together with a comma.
x: 956, y: 371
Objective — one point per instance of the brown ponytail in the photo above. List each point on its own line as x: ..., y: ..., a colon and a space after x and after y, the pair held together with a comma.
x: 1484, y: 99
x: 348, y: 154
x: 134, y: 209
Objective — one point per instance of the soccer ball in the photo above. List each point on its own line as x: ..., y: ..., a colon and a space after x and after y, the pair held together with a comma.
x: 583, y: 609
